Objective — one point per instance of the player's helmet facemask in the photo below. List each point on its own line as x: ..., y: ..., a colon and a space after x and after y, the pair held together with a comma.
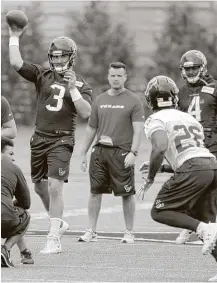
x: 65, y: 50
x: 193, y: 59
x: 161, y: 92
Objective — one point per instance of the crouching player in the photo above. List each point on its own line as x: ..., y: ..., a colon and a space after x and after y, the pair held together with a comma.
x: 15, y: 199
x: 185, y: 200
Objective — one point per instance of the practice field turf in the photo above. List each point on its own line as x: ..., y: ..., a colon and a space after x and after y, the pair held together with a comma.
x: 111, y: 261
x: 153, y: 258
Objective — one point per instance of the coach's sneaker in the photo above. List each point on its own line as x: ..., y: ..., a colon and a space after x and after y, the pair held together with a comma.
x: 53, y: 245
x: 26, y: 257
x: 213, y: 279
x: 128, y: 237
x: 63, y: 228
x: 5, y: 257
x: 209, y: 236
x: 89, y: 236
x: 183, y: 237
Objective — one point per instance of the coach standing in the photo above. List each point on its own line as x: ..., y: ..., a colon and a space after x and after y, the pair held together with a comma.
x: 117, y: 119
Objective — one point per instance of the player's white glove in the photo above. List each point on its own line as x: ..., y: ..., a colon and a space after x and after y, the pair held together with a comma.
x: 144, y: 188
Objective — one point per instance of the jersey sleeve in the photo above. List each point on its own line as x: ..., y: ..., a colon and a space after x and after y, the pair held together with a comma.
x: 6, y: 113
x: 152, y: 125
x: 93, y: 120
x: 30, y: 72
x: 22, y: 193
x: 84, y: 88
x: 138, y: 114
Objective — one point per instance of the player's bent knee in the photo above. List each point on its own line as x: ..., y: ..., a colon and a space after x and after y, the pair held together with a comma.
x: 55, y: 187
x: 40, y: 188
x: 155, y: 214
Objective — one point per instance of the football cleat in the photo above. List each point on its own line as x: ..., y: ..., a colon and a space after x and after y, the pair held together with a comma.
x: 183, y: 237
x: 128, y: 237
x: 26, y: 257
x: 89, y: 236
x: 209, y: 236
x: 53, y: 245
x: 5, y: 258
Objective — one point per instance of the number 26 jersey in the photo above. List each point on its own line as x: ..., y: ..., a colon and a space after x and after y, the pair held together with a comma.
x: 185, y: 135
x: 55, y: 109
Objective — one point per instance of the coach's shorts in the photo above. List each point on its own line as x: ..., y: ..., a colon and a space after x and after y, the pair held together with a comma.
x: 50, y: 157
x: 17, y: 226
x: 193, y: 192
x: 108, y: 174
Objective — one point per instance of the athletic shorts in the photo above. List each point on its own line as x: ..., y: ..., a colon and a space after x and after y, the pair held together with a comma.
x: 108, y: 174
x: 16, y: 226
x: 191, y: 192
x: 211, y: 141
x: 50, y: 157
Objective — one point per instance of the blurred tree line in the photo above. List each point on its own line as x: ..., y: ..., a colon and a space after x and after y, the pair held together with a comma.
x: 100, y: 41
x: 180, y: 34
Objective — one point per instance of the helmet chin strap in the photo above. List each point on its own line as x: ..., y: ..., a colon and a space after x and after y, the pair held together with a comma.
x: 61, y: 70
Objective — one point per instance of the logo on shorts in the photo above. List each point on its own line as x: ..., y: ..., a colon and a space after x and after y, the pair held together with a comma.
x: 127, y: 188
x: 159, y: 204
x: 62, y: 172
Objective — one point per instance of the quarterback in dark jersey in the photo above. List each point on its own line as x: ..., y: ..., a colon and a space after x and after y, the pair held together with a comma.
x: 198, y: 97
x: 61, y: 94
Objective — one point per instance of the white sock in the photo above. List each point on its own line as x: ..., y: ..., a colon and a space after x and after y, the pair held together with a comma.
x: 55, y: 226
x: 200, y: 229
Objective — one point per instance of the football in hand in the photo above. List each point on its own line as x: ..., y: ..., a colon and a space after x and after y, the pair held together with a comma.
x: 16, y: 18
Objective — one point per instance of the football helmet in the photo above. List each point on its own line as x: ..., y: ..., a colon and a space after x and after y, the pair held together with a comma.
x: 161, y: 92
x: 191, y: 59
x: 59, y: 47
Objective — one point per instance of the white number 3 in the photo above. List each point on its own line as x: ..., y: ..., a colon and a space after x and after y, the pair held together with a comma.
x: 58, y: 97
x: 194, y: 108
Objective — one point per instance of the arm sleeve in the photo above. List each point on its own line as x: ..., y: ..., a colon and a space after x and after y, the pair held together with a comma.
x: 22, y: 193
x: 138, y: 114
x: 93, y: 120
x: 30, y: 72
x: 6, y: 113
x: 152, y: 125
x: 84, y: 88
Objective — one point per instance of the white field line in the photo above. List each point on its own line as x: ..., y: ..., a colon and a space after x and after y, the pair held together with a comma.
x: 83, y: 211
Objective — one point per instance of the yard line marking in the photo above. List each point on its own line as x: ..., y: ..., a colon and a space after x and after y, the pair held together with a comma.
x: 76, y: 233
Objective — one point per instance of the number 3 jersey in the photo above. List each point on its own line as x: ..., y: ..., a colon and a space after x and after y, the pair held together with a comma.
x: 200, y: 101
x: 55, y: 109
x: 185, y: 135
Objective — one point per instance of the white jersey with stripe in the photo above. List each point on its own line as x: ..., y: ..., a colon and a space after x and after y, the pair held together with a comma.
x: 184, y: 132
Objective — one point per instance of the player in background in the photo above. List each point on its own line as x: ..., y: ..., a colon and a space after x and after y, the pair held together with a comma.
x: 198, y: 97
x: 8, y: 125
x: 15, y: 200
x: 9, y: 130
x: 184, y: 200
x: 116, y: 119
x: 61, y: 95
